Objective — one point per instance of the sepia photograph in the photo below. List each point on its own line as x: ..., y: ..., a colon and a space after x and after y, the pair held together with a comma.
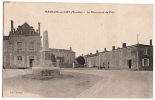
x: 77, y: 50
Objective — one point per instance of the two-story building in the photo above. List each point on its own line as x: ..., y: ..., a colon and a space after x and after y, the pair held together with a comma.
x: 22, y: 47
x: 136, y: 57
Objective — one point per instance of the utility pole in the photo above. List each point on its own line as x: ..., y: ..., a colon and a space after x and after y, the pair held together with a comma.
x: 99, y: 61
x: 137, y: 52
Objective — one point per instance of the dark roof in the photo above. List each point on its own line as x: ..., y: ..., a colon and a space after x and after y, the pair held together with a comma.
x: 25, y: 29
x: 136, y: 45
x: 61, y: 50
x: 5, y: 37
x: 144, y: 45
x: 25, y: 25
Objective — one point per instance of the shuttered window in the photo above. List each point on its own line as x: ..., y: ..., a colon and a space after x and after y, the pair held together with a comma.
x: 145, y: 62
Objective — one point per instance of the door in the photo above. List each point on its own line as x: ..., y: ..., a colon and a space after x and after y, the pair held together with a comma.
x: 130, y: 63
x: 31, y: 62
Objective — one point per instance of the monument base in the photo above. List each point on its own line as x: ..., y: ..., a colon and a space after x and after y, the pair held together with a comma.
x: 46, y: 71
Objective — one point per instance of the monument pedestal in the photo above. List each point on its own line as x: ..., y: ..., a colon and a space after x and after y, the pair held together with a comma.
x: 46, y: 71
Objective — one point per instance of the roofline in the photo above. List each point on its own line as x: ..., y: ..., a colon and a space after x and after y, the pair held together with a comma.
x: 62, y: 49
x: 136, y: 45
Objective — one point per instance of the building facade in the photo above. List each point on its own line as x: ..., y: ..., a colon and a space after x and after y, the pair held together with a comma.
x: 22, y: 47
x: 136, y: 57
x: 65, y: 57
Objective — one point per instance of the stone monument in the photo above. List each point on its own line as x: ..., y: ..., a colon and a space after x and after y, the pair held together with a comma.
x: 45, y: 55
x: 46, y: 67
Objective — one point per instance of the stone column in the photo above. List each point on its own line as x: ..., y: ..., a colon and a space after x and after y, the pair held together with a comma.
x: 45, y: 41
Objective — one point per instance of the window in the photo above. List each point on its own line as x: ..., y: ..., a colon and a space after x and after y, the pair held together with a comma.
x: 61, y: 59
x: 19, y: 45
x: 31, y: 46
x: 19, y: 60
x: 145, y: 62
x: 19, y: 57
x: 145, y: 51
x: 53, y: 58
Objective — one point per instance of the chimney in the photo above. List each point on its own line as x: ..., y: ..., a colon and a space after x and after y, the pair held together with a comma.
x: 11, y: 25
x: 105, y: 49
x: 39, y: 28
x: 124, y: 45
x: 70, y: 48
x: 113, y: 47
x: 151, y: 42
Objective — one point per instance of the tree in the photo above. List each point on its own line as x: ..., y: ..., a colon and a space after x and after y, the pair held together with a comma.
x: 80, y: 60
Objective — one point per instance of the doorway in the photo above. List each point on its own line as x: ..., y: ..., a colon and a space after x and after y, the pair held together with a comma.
x: 130, y: 63
x: 31, y: 62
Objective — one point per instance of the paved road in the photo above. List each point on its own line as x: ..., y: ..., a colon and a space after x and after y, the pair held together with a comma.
x: 8, y: 73
x: 115, y: 83
x: 119, y: 84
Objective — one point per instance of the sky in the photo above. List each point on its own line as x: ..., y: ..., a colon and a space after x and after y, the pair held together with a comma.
x: 84, y: 32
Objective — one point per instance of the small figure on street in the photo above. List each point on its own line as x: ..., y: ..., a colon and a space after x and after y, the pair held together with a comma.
x: 73, y: 65
x: 108, y: 65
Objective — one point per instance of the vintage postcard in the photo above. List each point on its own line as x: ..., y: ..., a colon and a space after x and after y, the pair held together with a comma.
x: 77, y: 50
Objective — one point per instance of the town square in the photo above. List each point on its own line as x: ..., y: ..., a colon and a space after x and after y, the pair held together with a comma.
x: 77, y: 55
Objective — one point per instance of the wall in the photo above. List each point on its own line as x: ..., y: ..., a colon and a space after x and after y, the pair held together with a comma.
x: 115, y: 59
x: 69, y: 56
x: 10, y: 50
x: 119, y: 58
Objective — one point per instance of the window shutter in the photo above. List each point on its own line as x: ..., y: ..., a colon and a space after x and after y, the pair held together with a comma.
x: 142, y: 62
x: 147, y: 62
